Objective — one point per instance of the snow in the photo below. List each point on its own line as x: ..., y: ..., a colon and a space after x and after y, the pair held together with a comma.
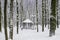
x: 28, y: 34
x: 27, y: 21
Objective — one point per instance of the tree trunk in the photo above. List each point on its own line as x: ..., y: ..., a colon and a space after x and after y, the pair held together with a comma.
x: 57, y: 13
x: 43, y: 11
x: 37, y: 14
x: 5, y: 20
x: 0, y: 16
x: 21, y: 12
x: 11, y: 19
x: 53, y: 18
x: 48, y: 14
x: 17, y: 17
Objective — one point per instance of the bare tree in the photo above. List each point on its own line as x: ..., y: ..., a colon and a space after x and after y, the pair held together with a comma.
x: 5, y: 20
x: 11, y: 19
x: 53, y: 18
x: 0, y: 15
x: 48, y: 14
x: 57, y: 13
x: 17, y: 17
x: 21, y: 12
x: 37, y: 14
x: 43, y: 11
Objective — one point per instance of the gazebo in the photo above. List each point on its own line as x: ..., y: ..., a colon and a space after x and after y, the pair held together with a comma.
x: 27, y: 24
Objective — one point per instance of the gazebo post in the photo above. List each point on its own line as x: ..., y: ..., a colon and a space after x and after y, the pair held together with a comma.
x: 27, y: 25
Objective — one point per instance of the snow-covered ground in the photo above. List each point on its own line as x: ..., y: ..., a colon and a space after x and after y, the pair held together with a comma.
x: 28, y: 34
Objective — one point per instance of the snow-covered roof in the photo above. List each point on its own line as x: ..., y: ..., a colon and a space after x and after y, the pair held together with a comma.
x: 27, y: 21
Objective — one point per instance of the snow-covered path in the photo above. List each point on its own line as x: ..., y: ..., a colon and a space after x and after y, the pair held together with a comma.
x: 27, y: 34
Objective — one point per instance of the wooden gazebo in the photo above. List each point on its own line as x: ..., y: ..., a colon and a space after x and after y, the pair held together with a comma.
x: 27, y: 24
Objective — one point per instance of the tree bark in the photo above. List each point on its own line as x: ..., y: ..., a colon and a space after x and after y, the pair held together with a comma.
x: 53, y: 18
x: 0, y: 16
x: 57, y: 13
x: 43, y: 11
x: 37, y: 14
x: 5, y: 20
x: 11, y: 19
x: 21, y: 12
x: 17, y: 17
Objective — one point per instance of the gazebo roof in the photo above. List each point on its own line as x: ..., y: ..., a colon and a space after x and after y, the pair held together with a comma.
x: 27, y: 21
